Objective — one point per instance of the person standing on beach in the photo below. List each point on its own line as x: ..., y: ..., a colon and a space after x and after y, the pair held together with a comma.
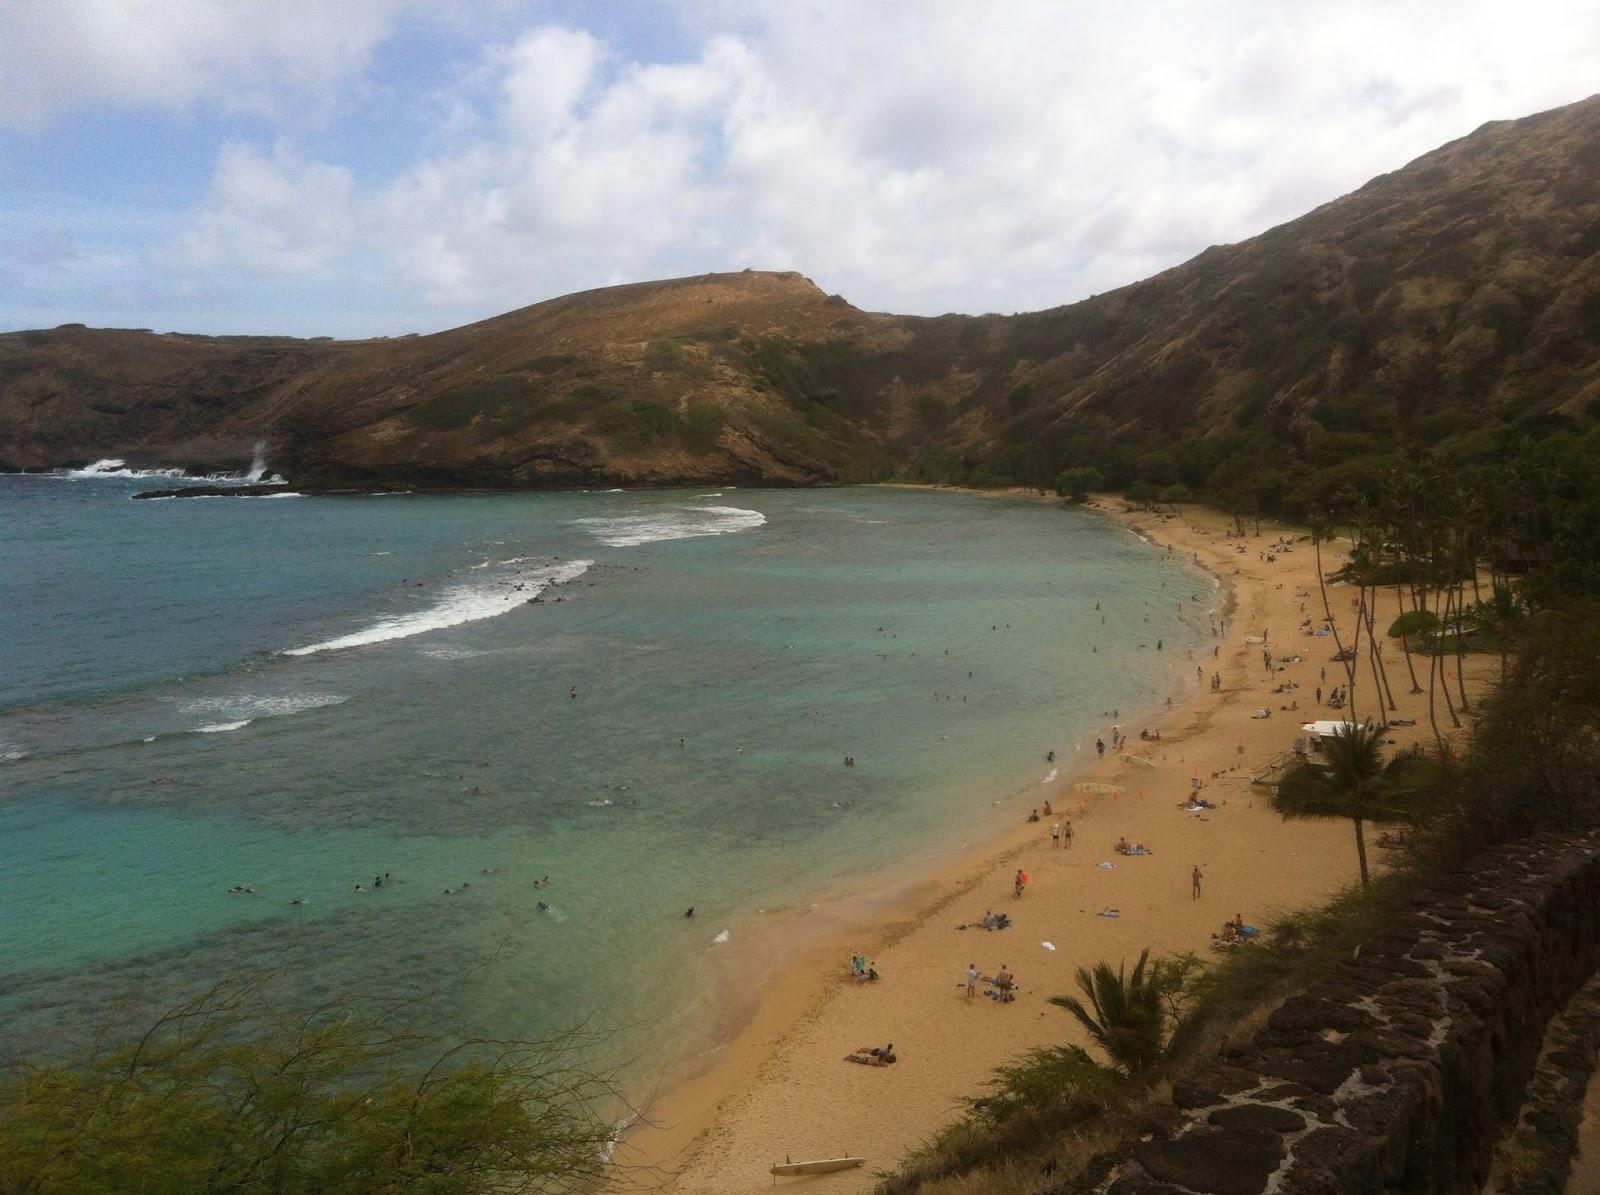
x: 1055, y: 834
x: 1100, y: 747
x: 972, y: 980
x: 1195, y: 878
x: 1018, y: 884
x: 1066, y: 833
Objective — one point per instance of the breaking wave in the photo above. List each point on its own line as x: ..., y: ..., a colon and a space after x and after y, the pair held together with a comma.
x: 239, y: 710
x: 464, y: 602
x: 117, y: 467
x: 684, y: 522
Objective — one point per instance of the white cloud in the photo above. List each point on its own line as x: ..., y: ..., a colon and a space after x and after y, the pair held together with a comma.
x: 283, y: 59
x: 277, y: 214
x: 929, y: 157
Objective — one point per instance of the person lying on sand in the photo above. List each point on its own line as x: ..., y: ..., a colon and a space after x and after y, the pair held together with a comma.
x: 990, y: 921
x: 873, y: 1055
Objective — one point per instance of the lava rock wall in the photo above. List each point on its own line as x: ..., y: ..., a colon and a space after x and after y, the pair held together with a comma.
x: 1399, y: 1071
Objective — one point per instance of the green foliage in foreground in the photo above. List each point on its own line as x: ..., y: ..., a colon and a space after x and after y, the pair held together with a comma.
x: 210, y: 1099
x: 1061, y: 1077
x: 1128, y: 1016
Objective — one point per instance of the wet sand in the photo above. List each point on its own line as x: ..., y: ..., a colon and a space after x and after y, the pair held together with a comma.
x: 781, y: 1089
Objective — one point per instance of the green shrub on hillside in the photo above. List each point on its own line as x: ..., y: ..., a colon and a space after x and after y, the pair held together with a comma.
x: 666, y: 354
x: 701, y: 426
x: 492, y: 398
x: 549, y: 363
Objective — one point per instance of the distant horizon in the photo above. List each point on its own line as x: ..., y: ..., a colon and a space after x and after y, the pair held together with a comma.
x: 355, y: 171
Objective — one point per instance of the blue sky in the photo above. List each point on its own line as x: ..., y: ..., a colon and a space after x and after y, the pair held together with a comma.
x: 370, y: 167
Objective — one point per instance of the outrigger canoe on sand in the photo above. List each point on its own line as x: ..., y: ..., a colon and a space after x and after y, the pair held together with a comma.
x: 821, y: 1166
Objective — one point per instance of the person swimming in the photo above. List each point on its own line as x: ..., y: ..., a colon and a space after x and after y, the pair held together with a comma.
x: 689, y: 912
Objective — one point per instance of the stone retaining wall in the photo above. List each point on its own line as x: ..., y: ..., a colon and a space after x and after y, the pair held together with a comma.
x: 1545, y: 1138
x: 1400, y: 1070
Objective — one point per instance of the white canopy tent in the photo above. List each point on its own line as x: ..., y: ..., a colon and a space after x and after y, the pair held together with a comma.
x: 1323, y: 730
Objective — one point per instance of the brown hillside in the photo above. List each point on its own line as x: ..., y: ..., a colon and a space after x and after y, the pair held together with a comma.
x: 1459, y: 291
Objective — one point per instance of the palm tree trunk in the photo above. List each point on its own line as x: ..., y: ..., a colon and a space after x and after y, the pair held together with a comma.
x: 1405, y: 640
x: 1333, y: 627
x: 1444, y: 621
x: 1361, y: 852
x: 1380, y: 674
x: 1433, y: 672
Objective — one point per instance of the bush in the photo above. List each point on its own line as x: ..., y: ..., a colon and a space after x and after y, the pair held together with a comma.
x: 702, y: 425
x: 1060, y: 1077
x: 549, y: 363
x: 665, y: 354
x: 1534, y: 760
x: 1077, y: 483
x: 484, y: 398
x: 217, y: 1097
x: 1413, y: 622
x: 1144, y: 493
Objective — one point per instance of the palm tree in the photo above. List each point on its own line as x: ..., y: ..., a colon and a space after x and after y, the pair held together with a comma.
x: 1353, y: 783
x: 1124, y: 1016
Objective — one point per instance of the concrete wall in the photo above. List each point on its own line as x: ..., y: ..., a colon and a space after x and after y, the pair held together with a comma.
x: 1399, y: 1071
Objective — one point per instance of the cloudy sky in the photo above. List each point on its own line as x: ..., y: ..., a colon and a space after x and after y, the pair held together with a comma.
x: 360, y: 167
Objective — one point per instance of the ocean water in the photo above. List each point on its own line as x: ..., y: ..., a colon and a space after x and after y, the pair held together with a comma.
x: 646, y: 696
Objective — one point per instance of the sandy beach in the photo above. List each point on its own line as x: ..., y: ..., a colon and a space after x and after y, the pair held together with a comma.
x: 782, y: 1089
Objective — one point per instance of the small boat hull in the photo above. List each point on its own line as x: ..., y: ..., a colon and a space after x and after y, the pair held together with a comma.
x: 820, y: 1166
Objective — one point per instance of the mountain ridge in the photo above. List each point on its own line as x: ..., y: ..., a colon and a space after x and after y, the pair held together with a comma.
x: 1458, y: 292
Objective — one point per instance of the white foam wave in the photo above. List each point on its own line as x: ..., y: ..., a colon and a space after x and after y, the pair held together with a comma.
x: 1048, y: 779
x: 113, y: 466
x: 8, y: 754
x: 461, y: 603
x: 250, y: 706
x: 683, y: 522
x: 116, y: 466
x: 239, y: 710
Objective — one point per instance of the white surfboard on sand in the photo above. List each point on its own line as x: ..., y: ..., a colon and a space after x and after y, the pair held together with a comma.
x: 820, y: 1166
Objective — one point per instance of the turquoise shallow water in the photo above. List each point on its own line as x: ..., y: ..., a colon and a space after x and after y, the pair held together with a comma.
x: 669, y: 733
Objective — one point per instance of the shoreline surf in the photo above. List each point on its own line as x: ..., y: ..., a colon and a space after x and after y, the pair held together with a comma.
x: 778, y: 977
x: 777, y: 1086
